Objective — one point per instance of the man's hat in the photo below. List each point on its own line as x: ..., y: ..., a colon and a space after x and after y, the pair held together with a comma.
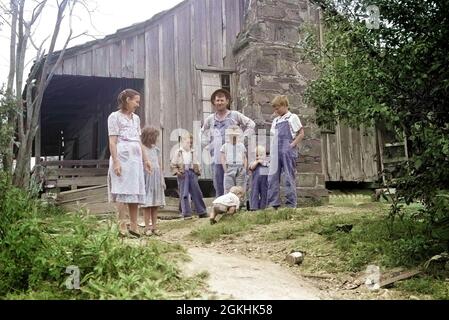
x: 221, y: 91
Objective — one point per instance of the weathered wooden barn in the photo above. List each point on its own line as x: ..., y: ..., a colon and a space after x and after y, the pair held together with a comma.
x: 177, y: 59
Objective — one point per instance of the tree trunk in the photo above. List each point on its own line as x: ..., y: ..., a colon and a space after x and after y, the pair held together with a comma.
x: 7, y: 160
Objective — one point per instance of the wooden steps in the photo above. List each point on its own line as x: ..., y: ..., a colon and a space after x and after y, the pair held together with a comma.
x: 95, y: 201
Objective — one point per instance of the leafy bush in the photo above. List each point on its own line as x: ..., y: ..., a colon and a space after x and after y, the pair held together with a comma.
x: 39, y: 242
x: 395, y: 76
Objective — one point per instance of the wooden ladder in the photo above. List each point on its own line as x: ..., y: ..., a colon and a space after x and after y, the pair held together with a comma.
x: 392, y: 153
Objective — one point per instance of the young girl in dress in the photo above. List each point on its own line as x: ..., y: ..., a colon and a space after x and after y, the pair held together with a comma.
x: 126, y: 166
x: 154, y: 181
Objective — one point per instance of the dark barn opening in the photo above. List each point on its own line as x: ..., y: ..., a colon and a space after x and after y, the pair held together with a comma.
x: 74, y: 115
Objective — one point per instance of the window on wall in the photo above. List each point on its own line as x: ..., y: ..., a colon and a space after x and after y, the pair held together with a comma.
x: 212, y: 81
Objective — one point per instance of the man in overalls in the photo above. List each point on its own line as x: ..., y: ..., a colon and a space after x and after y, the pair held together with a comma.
x: 288, y: 132
x: 214, y: 131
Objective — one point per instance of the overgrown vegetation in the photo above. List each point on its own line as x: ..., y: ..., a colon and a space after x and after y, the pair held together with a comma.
x: 397, y: 76
x: 7, y: 105
x: 38, y: 242
x: 329, y: 250
x: 239, y: 223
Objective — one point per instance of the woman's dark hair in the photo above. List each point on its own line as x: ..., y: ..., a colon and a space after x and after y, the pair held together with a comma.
x: 125, y: 94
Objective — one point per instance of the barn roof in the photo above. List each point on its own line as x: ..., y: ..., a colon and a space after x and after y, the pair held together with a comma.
x: 119, y: 34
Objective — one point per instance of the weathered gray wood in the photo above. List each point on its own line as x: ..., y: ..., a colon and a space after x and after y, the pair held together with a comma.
x: 101, y: 62
x: 216, y: 34
x: 356, y: 160
x: 201, y: 32
x: 115, y: 60
x: 346, y: 153
x: 369, y: 154
x: 80, y: 163
x: 168, y: 103
x: 84, y: 64
x: 184, y: 69
x: 80, y: 182
x: 69, y: 66
x: 128, y: 57
x: 80, y: 172
x: 139, y: 57
x: 324, y: 155
x: 232, y: 8
x: 83, y: 193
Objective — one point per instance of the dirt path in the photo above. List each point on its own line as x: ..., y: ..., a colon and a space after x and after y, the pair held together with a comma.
x: 242, y: 278
x: 235, y: 276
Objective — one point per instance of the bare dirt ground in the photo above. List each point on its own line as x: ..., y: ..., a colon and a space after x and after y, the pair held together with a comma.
x: 245, y: 266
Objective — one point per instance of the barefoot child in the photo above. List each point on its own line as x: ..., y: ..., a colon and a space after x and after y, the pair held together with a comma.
x: 154, y: 181
x: 228, y: 203
x: 233, y: 160
x: 259, y: 180
x: 186, y: 168
x: 288, y: 132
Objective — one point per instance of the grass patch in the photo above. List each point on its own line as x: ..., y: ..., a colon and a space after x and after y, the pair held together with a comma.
x: 38, y: 243
x: 426, y: 285
x: 245, y: 221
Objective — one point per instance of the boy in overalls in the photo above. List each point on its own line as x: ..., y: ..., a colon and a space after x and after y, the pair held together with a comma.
x: 288, y: 133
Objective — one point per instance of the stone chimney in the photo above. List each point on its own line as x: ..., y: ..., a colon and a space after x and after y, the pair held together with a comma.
x: 268, y: 63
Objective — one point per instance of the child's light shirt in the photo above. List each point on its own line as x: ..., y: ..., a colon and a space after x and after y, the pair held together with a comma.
x: 229, y: 200
x: 234, y: 153
x: 293, y: 120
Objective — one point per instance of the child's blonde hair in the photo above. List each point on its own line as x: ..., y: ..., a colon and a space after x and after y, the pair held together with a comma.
x: 261, y: 151
x: 238, y: 191
x: 280, y: 101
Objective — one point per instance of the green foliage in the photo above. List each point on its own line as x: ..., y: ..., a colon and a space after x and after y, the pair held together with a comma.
x: 6, y: 131
x: 371, y: 241
x: 395, y: 76
x: 241, y: 222
x: 38, y: 243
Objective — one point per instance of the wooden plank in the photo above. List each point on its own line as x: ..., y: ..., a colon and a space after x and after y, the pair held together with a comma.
x: 215, y: 41
x: 184, y: 70
x: 128, y: 57
x: 69, y: 66
x: 81, y: 172
x: 357, y: 163
x: 139, y: 57
x: 115, y: 60
x: 80, y: 182
x: 369, y: 154
x: 101, y: 62
x: 345, y: 152
x: 201, y: 33
x: 78, y: 163
x: 168, y: 101
x: 59, y: 70
x: 93, y: 208
x: 403, y: 276
x: 232, y: 13
x: 82, y: 193
x: 152, y: 78
x: 84, y: 64
x: 225, y: 44
x: 333, y: 152
x: 325, y: 157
